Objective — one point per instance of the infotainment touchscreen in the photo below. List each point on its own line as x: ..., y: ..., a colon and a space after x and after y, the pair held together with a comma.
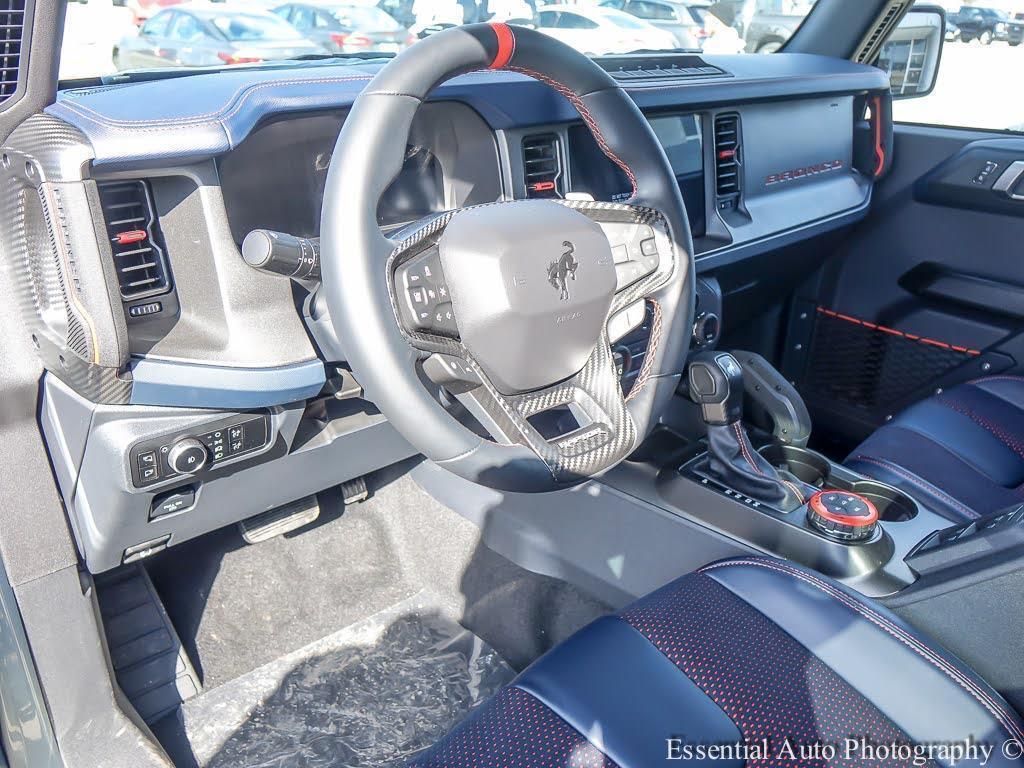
x: 681, y: 137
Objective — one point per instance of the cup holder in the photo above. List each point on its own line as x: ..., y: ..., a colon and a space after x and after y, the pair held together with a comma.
x: 815, y: 470
x: 892, y: 506
x: 806, y: 465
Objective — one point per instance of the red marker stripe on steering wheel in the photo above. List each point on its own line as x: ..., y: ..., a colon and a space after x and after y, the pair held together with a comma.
x: 506, y: 45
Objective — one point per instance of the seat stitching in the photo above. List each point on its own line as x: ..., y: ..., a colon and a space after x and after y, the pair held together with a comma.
x: 1005, y: 377
x: 998, y: 432
x: 919, y: 482
x: 897, y: 632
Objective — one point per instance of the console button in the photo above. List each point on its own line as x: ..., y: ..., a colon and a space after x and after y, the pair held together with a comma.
x: 842, y: 515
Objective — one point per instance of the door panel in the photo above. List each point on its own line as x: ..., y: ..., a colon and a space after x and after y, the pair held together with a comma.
x: 928, y: 292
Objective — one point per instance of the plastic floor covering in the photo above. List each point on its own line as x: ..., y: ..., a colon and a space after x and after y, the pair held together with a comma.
x: 371, y: 695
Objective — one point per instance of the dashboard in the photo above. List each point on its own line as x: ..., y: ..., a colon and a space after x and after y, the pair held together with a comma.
x: 172, y: 352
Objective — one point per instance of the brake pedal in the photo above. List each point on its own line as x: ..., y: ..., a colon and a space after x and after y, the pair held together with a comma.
x: 353, y: 491
x: 280, y: 520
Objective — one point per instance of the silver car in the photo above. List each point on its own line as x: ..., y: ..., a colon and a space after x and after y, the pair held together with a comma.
x: 347, y: 28
x: 203, y: 37
x: 684, y: 20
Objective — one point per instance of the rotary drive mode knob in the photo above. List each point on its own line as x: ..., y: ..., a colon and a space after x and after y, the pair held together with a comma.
x: 187, y: 456
x: 842, y: 515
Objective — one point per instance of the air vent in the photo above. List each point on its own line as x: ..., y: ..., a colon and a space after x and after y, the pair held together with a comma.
x: 542, y: 165
x: 727, y: 156
x: 872, y: 44
x: 12, y: 22
x: 131, y: 225
x: 662, y: 67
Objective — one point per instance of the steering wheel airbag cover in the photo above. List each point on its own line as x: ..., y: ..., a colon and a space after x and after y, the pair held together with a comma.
x: 531, y: 283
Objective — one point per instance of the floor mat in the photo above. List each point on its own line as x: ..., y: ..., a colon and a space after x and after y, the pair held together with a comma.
x: 371, y: 695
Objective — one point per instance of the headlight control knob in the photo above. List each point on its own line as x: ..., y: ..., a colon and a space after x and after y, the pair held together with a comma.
x: 187, y: 456
x: 842, y: 515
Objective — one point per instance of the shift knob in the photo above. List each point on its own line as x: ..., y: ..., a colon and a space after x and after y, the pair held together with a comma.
x: 716, y: 385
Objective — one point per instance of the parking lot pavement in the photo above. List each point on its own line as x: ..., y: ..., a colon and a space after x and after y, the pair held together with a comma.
x: 979, y: 86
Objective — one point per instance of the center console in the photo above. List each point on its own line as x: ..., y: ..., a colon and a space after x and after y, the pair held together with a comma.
x: 775, y: 495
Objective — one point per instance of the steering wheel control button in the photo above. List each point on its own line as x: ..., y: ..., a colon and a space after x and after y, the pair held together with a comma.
x: 527, y: 275
x: 187, y: 456
x: 451, y: 372
x: 842, y: 515
x: 627, y: 320
x: 635, y: 252
x: 424, y: 298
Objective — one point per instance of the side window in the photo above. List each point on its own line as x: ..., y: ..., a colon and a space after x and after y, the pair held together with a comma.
x: 547, y: 19
x: 651, y: 11
x: 285, y: 12
x: 303, y: 18
x: 322, y: 20
x: 157, y: 26
x: 186, y: 28
x: 575, y: 21
x: 616, y: 4
x: 982, y: 61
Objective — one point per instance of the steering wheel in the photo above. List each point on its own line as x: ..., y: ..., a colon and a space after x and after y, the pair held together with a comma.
x: 507, y: 305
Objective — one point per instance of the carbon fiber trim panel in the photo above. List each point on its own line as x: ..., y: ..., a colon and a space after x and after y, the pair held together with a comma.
x: 611, y: 433
x: 58, y: 268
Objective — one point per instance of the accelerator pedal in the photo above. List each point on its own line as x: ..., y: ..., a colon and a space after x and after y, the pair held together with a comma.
x: 281, y: 520
x: 353, y: 491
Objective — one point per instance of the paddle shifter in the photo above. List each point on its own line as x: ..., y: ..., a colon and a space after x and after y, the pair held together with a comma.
x: 716, y: 385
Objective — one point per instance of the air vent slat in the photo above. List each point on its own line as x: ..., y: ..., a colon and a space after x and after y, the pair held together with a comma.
x: 670, y: 66
x: 12, y: 18
x: 542, y: 165
x: 727, y: 155
x: 139, y: 259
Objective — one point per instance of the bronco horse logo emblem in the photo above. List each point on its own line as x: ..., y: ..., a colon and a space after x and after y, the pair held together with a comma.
x: 562, y: 271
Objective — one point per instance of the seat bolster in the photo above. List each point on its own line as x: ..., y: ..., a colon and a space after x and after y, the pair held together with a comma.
x: 626, y: 697
x: 924, y: 690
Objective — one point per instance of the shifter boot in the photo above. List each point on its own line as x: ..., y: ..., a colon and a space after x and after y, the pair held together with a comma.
x: 733, y: 461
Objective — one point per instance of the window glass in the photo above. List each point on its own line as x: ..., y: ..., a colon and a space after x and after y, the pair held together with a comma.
x: 650, y: 11
x: 982, y: 58
x: 157, y: 26
x: 246, y: 27
x: 303, y: 18
x: 186, y: 28
x: 103, y: 36
x: 574, y: 21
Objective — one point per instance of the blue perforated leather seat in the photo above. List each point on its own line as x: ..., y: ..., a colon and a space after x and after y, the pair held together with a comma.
x: 960, y: 452
x: 740, y: 651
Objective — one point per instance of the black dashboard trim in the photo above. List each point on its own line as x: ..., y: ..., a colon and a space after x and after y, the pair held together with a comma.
x: 205, y: 115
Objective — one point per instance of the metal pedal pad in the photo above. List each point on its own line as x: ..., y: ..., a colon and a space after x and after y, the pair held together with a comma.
x: 280, y: 520
x: 353, y: 491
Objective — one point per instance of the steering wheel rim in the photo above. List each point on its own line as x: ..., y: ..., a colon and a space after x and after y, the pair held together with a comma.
x: 389, y: 352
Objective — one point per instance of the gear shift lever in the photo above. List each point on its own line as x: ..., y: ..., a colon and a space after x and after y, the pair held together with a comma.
x: 716, y: 385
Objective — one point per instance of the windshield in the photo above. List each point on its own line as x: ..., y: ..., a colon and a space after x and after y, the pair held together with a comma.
x: 247, y: 27
x: 104, y: 37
